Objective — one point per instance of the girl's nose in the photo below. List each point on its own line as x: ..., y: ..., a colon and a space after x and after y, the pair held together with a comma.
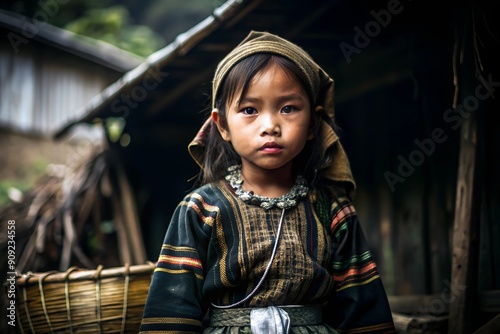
x: 270, y: 125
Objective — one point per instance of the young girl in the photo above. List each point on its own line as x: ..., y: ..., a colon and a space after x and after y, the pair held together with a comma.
x: 270, y: 243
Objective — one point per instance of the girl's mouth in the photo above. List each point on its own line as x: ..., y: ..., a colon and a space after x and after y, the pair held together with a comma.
x: 271, y: 147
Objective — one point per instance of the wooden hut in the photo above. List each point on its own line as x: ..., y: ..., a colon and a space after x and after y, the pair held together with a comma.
x: 415, y: 97
x: 47, y: 74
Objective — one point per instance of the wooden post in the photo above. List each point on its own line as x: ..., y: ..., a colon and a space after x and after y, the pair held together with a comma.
x: 464, y: 233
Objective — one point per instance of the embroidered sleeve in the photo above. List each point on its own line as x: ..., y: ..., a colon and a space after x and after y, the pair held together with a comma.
x: 175, y: 302
x: 359, y: 304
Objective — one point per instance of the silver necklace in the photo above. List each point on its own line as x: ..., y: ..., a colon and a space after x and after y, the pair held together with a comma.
x: 286, y: 201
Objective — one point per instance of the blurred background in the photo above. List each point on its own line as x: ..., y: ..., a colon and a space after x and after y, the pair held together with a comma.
x: 135, y: 28
x: 140, y: 27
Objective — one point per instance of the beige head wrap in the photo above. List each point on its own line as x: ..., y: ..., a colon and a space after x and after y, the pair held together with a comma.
x: 321, y: 86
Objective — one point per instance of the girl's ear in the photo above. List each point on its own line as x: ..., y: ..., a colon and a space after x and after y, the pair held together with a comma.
x: 221, y: 126
x: 315, y: 118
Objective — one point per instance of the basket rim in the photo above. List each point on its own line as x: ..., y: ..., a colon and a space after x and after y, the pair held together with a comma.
x: 81, y: 274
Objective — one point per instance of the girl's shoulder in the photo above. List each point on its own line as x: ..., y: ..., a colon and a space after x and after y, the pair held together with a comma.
x: 333, y: 205
x: 210, y: 193
x: 332, y: 192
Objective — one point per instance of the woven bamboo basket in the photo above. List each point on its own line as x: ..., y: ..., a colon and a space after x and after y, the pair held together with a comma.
x: 83, y: 301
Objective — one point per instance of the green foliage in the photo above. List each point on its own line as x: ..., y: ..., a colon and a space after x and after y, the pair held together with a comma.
x: 113, y: 25
x: 57, y: 13
x: 140, y: 27
x: 7, y: 185
x: 24, y: 182
x: 114, y: 128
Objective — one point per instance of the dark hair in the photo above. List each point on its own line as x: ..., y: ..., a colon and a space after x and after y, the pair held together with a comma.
x: 220, y: 154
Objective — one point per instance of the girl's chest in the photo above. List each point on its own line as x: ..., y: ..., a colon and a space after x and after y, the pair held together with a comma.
x: 303, y: 245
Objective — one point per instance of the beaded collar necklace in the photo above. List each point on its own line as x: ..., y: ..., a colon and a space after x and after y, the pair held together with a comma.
x: 286, y: 201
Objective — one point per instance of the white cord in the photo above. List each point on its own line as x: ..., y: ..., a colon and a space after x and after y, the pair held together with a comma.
x: 278, y: 234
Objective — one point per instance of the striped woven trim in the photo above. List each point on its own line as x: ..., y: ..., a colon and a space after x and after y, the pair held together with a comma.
x: 179, y: 260
x: 340, y: 218
x: 357, y: 270
x: 356, y: 260
x: 204, y: 210
x: 171, y: 320
x: 357, y: 283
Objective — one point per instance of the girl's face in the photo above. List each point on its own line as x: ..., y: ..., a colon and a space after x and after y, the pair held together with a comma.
x: 269, y: 126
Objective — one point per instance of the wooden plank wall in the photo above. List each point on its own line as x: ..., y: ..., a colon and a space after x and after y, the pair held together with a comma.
x: 423, y: 210
x: 46, y: 86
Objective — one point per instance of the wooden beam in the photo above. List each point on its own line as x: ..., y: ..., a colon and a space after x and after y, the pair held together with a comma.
x: 417, y: 304
x: 421, y: 324
x: 464, y: 234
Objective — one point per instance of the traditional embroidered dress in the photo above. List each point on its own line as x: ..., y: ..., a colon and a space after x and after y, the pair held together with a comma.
x: 219, y: 249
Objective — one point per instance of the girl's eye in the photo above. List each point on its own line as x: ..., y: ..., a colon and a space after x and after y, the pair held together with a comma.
x: 249, y: 111
x: 288, y: 109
